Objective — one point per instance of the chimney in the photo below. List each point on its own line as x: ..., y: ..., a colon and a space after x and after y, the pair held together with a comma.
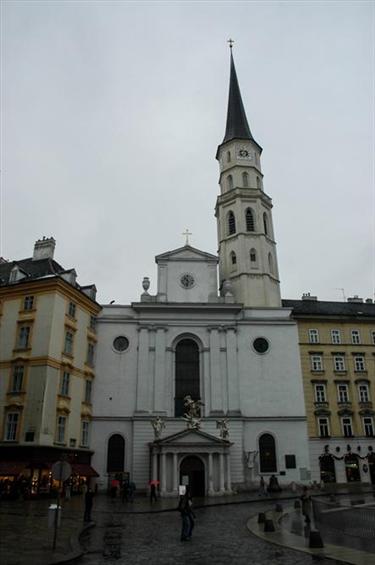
x: 44, y: 248
x: 307, y: 296
x: 355, y: 299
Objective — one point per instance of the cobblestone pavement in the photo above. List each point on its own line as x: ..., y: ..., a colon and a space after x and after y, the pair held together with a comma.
x: 220, y: 538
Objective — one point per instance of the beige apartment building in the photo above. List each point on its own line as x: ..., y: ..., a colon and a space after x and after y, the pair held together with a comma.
x: 47, y: 353
x: 337, y: 348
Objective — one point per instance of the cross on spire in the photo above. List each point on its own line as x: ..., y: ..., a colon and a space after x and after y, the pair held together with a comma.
x: 230, y: 41
x: 186, y: 233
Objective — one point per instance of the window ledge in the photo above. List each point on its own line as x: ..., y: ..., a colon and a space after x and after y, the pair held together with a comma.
x: 18, y: 349
x: 63, y: 444
x: 16, y: 393
x: 364, y: 372
x: 318, y: 371
x: 70, y: 355
x: 64, y: 396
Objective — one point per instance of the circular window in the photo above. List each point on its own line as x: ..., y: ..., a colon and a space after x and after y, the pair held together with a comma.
x: 261, y: 345
x: 121, y: 343
x: 187, y: 280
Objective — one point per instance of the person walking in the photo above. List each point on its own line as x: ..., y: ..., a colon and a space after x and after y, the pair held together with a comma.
x: 306, y: 505
x: 262, y: 487
x: 89, y: 498
x: 153, y: 497
x: 185, y: 507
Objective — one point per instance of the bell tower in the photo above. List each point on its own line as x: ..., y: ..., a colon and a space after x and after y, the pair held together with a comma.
x: 247, y: 247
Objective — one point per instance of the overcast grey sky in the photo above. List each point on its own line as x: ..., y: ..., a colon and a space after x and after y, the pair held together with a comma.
x: 112, y: 113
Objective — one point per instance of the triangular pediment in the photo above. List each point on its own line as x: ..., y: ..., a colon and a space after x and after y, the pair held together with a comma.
x: 188, y: 437
x: 186, y: 253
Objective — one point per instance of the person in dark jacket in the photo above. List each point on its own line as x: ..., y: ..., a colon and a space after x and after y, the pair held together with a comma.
x: 89, y: 498
x: 185, y: 507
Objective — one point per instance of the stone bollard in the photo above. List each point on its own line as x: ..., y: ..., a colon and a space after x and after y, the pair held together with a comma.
x: 278, y: 508
x: 269, y: 526
x: 315, y: 539
x: 261, y: 518
x: 297, y: 504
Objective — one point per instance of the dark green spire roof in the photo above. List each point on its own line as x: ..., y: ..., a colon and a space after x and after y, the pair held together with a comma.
x: 237, y: 126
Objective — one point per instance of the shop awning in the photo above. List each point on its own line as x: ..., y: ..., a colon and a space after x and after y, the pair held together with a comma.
x: 84, y: 470
x: 11, y: 468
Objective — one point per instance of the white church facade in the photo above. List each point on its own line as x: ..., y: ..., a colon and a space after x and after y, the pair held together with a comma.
x: 215, y: 332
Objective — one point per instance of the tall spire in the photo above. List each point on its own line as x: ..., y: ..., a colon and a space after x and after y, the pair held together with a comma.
x: 237, y: 126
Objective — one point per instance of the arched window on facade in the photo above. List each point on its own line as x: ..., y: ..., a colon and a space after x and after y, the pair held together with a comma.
x: 259, y: 184
x: 270, y: 263
x: 229, y: 182
x: 233, y: 258
x: 265, y: 223
x: 187, y: 374
x: 253, y: 257
x: 267, y: 454
x: 245, y: 180
x: 250, y: 224
x: 228, y: 157
x: 231, y: 223
x: 115, y: 454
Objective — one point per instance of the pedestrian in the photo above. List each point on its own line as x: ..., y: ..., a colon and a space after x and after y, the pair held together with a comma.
x: 153, y: 497
x: 306, y: 505
x: 89, y: 496
x: 125, y: 491
x: 262, y: 487
x: 132, y: 489
x: 185, y: 507
x: 114, y: 486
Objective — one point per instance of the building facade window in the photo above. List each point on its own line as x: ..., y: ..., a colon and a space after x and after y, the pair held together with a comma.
x: 17, y: 379
x: 85, y: 433
x: 88, y: 391
x: 339, y: 363
x: 313, y: 336
x: 28, y: 303
x: 250, y: 223
x: 271, y: 264
x: 72, y: 310
x: 347, y: 428
x: 61, y: 427
x: 372, y: 335
x: 323, y: 427
x: 233, y: 258
x: 68, y: 343
x: 231, y: 223
x: 316, y: 362
x: 359, y: 363
x: 265, y: 223
x: 90, y: 354
x: 11, y: 426
x: 267, y: 454
x: 320, y: 393
x: 93, y: 323
x: 229, y: 182
x: 259, y: 184
x: 343, y: 393
x: 65, y: 382
x: 23, y: 337
x: 253, y: 257
x: 228, y: 157
x: 245, y: 180
x: 363, y: 393
x: 356, y: 337
x: 335, y: 336
x: 368, y: 426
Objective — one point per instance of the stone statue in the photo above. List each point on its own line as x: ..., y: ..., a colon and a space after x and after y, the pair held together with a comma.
x: 158, y: 424
x: 193, y: 412
x: 223, y: 427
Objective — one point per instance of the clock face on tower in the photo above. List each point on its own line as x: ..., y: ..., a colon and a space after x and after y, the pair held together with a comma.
x: 243, y: 153
x: 187, y: 280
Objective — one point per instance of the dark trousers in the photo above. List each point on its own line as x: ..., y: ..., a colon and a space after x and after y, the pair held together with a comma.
x: 187, y: 526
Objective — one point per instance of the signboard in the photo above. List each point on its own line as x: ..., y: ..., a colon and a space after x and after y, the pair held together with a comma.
x: 61, y: 470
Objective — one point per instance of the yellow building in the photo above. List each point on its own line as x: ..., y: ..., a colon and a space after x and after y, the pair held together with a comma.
x: 337, y: 347
x: 47, y: 349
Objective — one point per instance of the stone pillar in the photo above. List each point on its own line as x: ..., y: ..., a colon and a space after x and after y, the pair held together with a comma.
x: 222, y: 474
x: 163, y: 473
x: 215, y: 373
x: 206, y: 379
x: 211, y: 491
x: 175, y: 474
x: 228, y: 477
x: 232, y: 373
x: 154, y: 466
x: 159, y: 383
x: 143, y: 385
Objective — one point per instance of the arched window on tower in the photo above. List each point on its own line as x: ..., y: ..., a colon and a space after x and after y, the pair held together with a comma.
x: 228, y: 157
x: 229, y: 182
x: 259, y: 184
x: 250, y: 224
x: 253, y: 257
x: 271, y: 264
x: 115, y: 454
x: 267, y: 454
x: 187, y: 374
x: 233, y: 258
x: 265, y: 223
x: 245, y: 180
x: 231, y: 223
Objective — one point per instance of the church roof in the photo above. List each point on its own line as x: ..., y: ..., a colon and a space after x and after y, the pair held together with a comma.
x: 237, y: 126
x: 187, y: 252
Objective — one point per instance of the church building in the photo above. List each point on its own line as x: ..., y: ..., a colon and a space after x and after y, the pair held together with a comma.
x: 201, y: 383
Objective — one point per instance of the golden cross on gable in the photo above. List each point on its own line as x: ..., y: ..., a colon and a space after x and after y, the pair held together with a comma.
x: 186, y: 233
x: 230, y: 41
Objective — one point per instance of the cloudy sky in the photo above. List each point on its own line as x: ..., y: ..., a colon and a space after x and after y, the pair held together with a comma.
x: 112, y: 112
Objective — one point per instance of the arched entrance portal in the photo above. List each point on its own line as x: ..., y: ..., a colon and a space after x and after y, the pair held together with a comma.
x: 192, y: 473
